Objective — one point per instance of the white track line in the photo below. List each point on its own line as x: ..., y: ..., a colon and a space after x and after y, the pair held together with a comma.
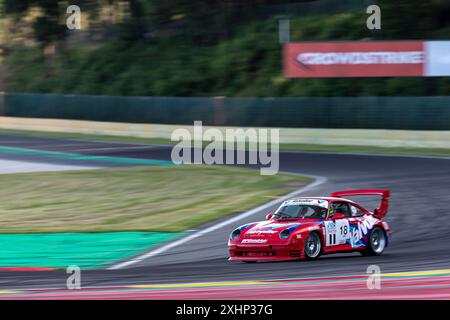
x: 318, y: 181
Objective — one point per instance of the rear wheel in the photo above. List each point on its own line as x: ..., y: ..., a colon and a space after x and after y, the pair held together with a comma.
x: 313, y: 246
x: 376, y: 242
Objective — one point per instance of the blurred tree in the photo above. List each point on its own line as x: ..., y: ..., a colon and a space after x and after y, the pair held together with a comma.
x: 210, y: 47
x: 133, y: 27
x: 413, y: 19
x: 207, y: 22
x: 47, y: 27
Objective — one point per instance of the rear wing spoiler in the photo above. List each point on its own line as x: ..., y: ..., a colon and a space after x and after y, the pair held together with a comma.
x: 382, y: 209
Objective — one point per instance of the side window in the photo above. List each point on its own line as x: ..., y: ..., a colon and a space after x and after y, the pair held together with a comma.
x: 342, y: 208
x: 356, y: 212
x: 315, y: 212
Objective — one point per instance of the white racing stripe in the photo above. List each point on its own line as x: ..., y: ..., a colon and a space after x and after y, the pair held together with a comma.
x: 318, y: 181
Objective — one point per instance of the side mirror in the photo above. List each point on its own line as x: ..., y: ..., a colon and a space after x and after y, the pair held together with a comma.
x: 338, y: 216
x: 269, y: 216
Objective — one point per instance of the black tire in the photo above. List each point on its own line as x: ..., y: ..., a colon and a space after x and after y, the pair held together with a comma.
x: 377, y: 242
x: 313, y: 246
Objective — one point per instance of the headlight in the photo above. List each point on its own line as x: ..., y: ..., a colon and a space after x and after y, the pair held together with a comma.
x: 284, y: 234
x: 235, y: 234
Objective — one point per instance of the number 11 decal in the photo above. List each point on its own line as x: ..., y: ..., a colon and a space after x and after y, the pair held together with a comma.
x: 332, y: 238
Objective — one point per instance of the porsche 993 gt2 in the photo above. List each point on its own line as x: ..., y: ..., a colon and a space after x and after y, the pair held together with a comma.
x: 307, y: 227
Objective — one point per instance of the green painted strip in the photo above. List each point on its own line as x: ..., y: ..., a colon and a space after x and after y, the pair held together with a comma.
x: 74, y: 156
x: 86, y: 250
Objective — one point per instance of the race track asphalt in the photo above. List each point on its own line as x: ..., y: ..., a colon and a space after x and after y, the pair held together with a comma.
x: 418, y: 216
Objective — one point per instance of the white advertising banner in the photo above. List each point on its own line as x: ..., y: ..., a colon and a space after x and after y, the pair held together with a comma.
x: 437, y: 58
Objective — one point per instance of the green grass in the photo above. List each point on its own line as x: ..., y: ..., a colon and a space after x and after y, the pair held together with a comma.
x: 160, y: 199
x: 283, y: 147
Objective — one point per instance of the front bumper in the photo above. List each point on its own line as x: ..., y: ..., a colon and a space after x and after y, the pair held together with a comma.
x: 265, y: 252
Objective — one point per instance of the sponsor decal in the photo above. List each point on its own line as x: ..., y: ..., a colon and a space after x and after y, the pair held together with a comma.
x: 356, y: 239
x: 254, y: 241
x: 360, y: 232
x: 262, y: 231
x: 330, y: 225
x: 311, y: 202
x: 365, y: 226
x: 269, y: 229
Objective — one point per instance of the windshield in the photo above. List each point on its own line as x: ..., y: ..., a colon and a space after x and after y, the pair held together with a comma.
x: 303, y: 208
x: 301, y: 211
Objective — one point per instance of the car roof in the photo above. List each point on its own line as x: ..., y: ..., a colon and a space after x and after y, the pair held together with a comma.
x: 330, y: 199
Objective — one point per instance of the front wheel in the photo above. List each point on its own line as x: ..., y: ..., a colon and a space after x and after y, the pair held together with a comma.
x: 313, y: 246
x: 376, y: 243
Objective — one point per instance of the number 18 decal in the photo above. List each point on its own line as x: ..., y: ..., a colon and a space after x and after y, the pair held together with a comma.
x: 344, y: 230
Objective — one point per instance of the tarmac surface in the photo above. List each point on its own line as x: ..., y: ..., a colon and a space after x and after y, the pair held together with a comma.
x: 418, y: 216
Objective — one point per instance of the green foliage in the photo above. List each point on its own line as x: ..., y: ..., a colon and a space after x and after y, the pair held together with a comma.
x: 47, y: 27
x: 198, y: 55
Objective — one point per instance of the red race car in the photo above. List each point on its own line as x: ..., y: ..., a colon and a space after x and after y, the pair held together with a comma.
x: 307, y: 227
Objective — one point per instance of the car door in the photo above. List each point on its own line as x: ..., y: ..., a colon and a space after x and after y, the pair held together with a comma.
x: 337, y: 229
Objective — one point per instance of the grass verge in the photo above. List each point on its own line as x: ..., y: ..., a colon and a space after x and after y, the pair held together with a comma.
x: 437, y: 152
x: 159, y: 199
